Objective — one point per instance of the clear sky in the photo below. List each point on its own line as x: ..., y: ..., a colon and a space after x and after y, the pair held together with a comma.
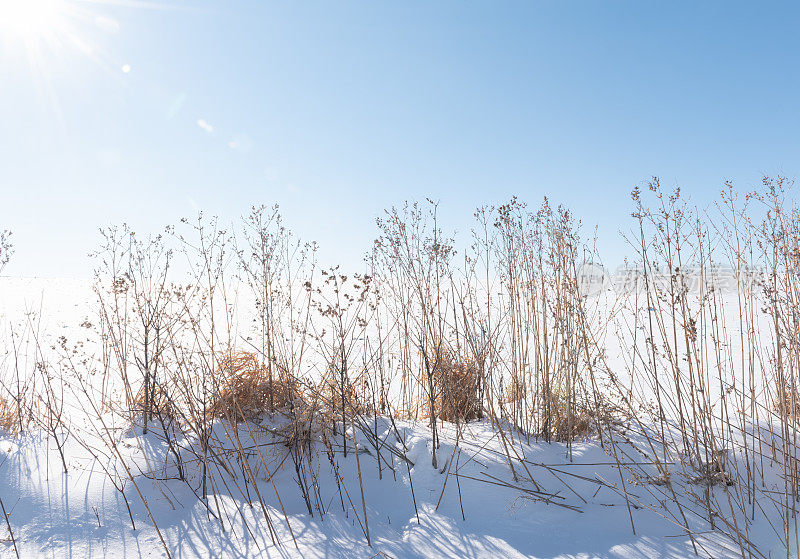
x: 146, y: 111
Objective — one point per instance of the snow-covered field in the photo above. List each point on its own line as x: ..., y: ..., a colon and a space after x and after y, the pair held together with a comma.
x: 495, y: 492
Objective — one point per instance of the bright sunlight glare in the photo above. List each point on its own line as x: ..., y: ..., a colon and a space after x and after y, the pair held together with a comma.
x: 31, y: 19
x: 47, y: 33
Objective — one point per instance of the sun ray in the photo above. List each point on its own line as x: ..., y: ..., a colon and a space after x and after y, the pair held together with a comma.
x: 49, y: 34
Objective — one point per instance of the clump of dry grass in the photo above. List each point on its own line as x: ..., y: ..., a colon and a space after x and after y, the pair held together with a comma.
x: 565, y: 422
x: 331, y: 393
x: 8, y: 417
x: 309, y: 423
x: 513, y: 392
x: 710, y: 475
x: 161, y: 404
x: 457, y: 398
x: 14, y: 416
x: 246, y: 389
x: 787, y: 404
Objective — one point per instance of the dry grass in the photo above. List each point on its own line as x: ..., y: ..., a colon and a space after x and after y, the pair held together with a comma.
x: 14, y: 417
x: 513, y: 392
x: 162, y: 404
x: 541, y: 366
x: 565, y: 424
x: 787, y: 404
x: 9, y: 422
x: 329, y: 392
x: 456, y: 379
x: 309, y: 423
x: 246, y: 390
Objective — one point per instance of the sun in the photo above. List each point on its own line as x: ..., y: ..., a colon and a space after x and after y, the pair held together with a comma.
x: 49, y: 36
x: 32, y: 20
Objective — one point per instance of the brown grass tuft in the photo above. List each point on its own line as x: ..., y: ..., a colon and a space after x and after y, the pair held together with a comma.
x: 456, y: 379
x: 564, y: 424
x: 513, y: 392
x: 14, y: 418
x: 246, y: 391
x: 787, y: 404
x: 329, y: 391
x: 162, y: 405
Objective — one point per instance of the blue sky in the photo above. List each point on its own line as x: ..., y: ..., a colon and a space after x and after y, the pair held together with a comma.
x: 337, y: 110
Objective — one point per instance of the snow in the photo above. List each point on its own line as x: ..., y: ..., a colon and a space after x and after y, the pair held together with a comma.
x: 80, y: 514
